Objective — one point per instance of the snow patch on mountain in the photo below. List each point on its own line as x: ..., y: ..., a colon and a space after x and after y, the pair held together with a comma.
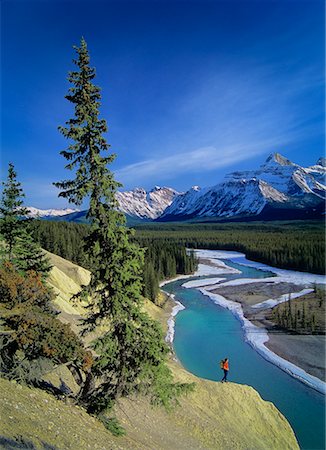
x: 276, y: 181
x: 36, y: 212
x: 185, y: 203
x: 146, y: 205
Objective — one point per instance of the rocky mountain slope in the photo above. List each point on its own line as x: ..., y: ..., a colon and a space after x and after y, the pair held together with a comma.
x: 146, y: 205
x: 277, y: 184
x: 137, y: 204
x: 44, y: 213
x: 278, y: 189
x: 204, y: 419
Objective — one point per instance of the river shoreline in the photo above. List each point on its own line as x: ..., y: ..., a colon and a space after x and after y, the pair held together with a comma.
x: 256, y: 340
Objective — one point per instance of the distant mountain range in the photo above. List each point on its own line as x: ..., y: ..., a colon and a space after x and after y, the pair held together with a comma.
x: 45, y: 213
x: 278, y: 189
x: 138, y: 205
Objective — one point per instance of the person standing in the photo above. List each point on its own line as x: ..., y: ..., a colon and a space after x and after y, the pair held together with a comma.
x: 225, y: 367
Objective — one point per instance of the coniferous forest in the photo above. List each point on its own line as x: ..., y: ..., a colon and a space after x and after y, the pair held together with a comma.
x: 289, y: 245
x: 162, y: 259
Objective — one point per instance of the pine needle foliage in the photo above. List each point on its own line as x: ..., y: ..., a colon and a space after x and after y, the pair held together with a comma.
x: 12, y: 210
x: 29, y: 255
x: 131, y: 353
x: 16, y: 232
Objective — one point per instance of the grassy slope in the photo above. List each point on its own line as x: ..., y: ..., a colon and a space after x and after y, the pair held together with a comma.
x: 215, y: 415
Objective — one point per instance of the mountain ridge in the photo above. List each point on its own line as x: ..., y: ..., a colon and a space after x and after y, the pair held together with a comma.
x: 278, y: 188
x: 277, y: 183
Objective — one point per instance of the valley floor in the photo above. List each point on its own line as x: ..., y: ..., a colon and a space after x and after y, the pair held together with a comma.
x: 306, y: 351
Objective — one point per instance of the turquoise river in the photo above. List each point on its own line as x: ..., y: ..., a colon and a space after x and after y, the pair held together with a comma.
x: 205, y: 333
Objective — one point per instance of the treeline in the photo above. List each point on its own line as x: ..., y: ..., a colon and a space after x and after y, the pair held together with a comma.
x: 162, y: 259
x: 302, y: 317
x: 295, y: 319
x: 288, y: 245
x: 64, y: 239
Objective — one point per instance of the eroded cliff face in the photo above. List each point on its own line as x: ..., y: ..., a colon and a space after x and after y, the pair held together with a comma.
x: 215, y: 415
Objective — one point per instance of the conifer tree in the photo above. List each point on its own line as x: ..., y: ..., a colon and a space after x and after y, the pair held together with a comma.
x: 23, y: 251
x: 29, y: 255
x: 12, y: 210
x: 131, y: 352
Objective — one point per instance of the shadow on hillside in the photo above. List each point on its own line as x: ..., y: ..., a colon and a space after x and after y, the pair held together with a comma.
x: 21, y: 443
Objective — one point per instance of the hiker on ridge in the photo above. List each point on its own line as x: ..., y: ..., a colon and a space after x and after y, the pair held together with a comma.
x: 225, y: 367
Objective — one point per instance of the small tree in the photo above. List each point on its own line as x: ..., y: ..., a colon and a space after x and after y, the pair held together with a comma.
x: 313, y: 323
x: 29, y: 255
x: 303, y: 316
x: 12, y: 210
x: 23, y: 251
x: 290, y: 317
x: 295, y: 318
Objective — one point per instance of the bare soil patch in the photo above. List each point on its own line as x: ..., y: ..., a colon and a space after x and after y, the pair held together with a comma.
x: 253, y: 293
x: 305, y: 351
x: 210, y: 263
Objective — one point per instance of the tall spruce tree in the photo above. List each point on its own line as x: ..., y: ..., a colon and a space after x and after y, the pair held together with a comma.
x: 131, y: 353
x: 21, y: 249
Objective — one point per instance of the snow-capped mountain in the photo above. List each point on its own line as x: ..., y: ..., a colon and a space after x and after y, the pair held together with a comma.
x: 286, y: 177
x: 278, y: 183
x: 136, y: 203
x: 146, y: 205
x: 278, y: 189
x: 35, y: 212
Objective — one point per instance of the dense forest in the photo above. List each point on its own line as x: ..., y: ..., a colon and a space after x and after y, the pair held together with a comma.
x: 163, y: 259
x: 298, y: 245
x: 289, y: 245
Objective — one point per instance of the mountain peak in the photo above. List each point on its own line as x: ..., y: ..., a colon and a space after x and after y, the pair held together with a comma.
x: 321, y: 162
x: 162, y: 188
x: 278, y: 159
x: 146, y: 204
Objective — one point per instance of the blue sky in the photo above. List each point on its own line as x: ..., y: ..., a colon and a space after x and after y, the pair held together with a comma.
x: 191, y: 90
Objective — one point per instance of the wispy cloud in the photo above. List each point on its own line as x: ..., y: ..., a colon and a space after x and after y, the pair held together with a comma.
x: 229, y: 118
x: 202, y: 160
